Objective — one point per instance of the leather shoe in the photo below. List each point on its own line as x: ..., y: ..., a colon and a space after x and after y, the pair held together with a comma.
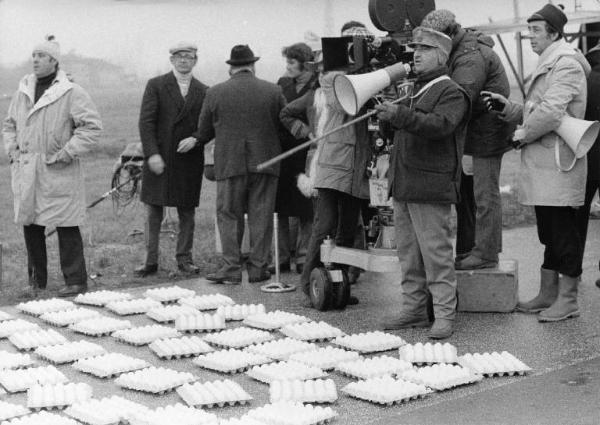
x: 188, y: 268
x: 71, y: 290
x: 441, y: 329
x: 352, y: 300
x: 145, y: 270
x: 299, y: 268
x: 598, y: 284
x: 265, y: 275
x: 283, y: 267
x: 223, y: 277
x: 473, y: 262
x: 406, y: 320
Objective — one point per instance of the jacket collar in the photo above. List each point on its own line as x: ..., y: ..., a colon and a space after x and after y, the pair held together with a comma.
x: 555, y: 51
x: 430, y: 75
x: 59, y: 87
x: 244, y: 73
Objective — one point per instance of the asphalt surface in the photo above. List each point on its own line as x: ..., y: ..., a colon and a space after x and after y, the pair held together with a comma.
x: 562, y: 388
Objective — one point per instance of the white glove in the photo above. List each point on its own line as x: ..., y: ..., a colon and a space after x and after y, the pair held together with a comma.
x: 186, y: 144
x: 156, y: 164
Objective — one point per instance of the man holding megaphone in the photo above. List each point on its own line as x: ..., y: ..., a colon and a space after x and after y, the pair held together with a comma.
x: 551, y: 133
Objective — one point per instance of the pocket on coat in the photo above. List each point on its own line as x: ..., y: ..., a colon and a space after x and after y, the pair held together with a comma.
x: 338, y: 155
x: 60, y: 179
x: 549, y: 139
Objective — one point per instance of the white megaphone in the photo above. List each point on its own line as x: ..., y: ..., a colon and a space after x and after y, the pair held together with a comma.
x: 579, y: 135
x: 352, y: 91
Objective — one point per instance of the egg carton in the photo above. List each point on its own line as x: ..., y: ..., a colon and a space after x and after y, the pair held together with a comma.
x: 101, y: 298
x: 169, y: 294
x: 370, y: 342
x: 206, y: 302
x: 238, y: 337
x: 15, y: 360
x: 135, y: 306
x: 240, y: 311
x: 292, y: 413
x: 284, y: 371
x: 186, y: 346
x: 41, y: 418
x: 5, y: 316
x: 154, y: 380
x: 39, y: 307
x: 309, y: 391
x: 100, y: 326
x: 23, y: 379
x: 144, y: 335
x: 200, y: 322
x: 386, y: 390
x: 493, y: 364
x: 9, y: 327
x: 441, y: 376
x: 57, y: 396
x: 30, y: 340
x: 230, y: 361
x: 68, y: 317
x: 109, y: 365
x: 212, y: 394
x: 107, y: 411
x: 281, y: 349
x: 175, y: 414
x: 428, y: 353
x: 240, y: 421
x: 70, y: 351
x: 325, y: 358
x: 169, y: 313
x: 373, y: 367
x: 274, y: 320
x: 9, y: 410
x: 311, y: 331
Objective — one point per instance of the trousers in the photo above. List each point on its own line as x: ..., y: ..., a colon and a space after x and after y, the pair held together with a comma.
x: 70, y: 247
x: 293, y: 236
x: 424, y: 245
x: 185, y: 236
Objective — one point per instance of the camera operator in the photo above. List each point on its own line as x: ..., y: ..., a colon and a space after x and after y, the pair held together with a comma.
x: 337, y: 170
x: 424, y: 181
x: 475, y: 66
x: 558, y: 88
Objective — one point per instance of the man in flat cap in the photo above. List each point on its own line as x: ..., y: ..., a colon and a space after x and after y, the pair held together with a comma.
x: 242, y: 115
x: 475, y: 66
x: 51, y: 123
x: 172, y: 176
x: 424, y: 180
x: 551, y: 178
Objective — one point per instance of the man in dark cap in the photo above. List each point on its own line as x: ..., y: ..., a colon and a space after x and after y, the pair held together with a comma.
x: 558, y: 89
x: 475, y: 66
x: 242, y: 115
x: 424, y: 181
x: 173, y: 175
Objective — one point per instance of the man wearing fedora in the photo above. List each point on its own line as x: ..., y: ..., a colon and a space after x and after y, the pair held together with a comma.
x: 242, y: 115
x: 424, y: 179
x: 558, y: 89
x: 173, y: 175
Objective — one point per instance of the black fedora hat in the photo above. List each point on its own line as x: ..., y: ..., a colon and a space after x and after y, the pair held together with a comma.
x: 242, y: 55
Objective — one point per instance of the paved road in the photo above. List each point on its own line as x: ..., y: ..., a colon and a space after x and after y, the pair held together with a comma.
x: 563, y: 387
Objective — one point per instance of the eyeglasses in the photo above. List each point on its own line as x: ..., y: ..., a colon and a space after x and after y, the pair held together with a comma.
x: 183, y: 57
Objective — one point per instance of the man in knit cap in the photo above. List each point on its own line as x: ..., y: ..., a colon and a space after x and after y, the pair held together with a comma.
x: 424, y: 180
x: 551, y: 178
x: 173, y: 176
x: 475, y: 66
x: 51, y: 123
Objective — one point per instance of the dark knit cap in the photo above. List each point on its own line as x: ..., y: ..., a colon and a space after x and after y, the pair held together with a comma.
x: 553, y: 15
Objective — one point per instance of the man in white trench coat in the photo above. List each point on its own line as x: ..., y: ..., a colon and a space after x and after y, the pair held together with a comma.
x: 51, y: 122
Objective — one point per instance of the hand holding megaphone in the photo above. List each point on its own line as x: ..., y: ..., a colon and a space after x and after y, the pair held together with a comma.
x: 386, y: 111
x: 493, y: 101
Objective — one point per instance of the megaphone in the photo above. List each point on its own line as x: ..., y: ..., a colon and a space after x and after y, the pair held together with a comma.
x: 578, y: 134
x: 353, y: 91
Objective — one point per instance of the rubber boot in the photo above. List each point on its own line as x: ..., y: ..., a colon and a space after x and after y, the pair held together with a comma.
x: 565, y: 305
x: 546, y: 296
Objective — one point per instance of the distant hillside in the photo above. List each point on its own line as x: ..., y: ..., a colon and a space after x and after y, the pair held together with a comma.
x: 91, y: 73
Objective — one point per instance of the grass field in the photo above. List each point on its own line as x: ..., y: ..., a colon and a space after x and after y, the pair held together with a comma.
x: 114, y: 243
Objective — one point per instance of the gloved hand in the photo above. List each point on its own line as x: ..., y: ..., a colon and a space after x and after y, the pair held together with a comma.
x: 386, y: 111
x: 186, y: 144
x: 156, y: 164
x: 494, y: 101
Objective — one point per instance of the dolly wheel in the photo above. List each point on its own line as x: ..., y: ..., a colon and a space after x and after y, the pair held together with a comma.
x: 320, y: 289
x: 341, y: 290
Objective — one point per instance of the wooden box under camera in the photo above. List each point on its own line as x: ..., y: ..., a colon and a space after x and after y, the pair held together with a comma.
x: 488, y: 290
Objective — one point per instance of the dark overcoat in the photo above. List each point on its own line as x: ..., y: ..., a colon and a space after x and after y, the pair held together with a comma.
x: 290, y: 201
x: 166, y: 118
x: 242, y: 115
x: 592, y: 112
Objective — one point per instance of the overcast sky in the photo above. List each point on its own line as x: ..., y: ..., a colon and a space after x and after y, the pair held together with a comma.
x: 137, y: 33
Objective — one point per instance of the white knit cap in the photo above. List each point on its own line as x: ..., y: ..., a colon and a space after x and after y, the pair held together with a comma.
x: 50, y: 47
